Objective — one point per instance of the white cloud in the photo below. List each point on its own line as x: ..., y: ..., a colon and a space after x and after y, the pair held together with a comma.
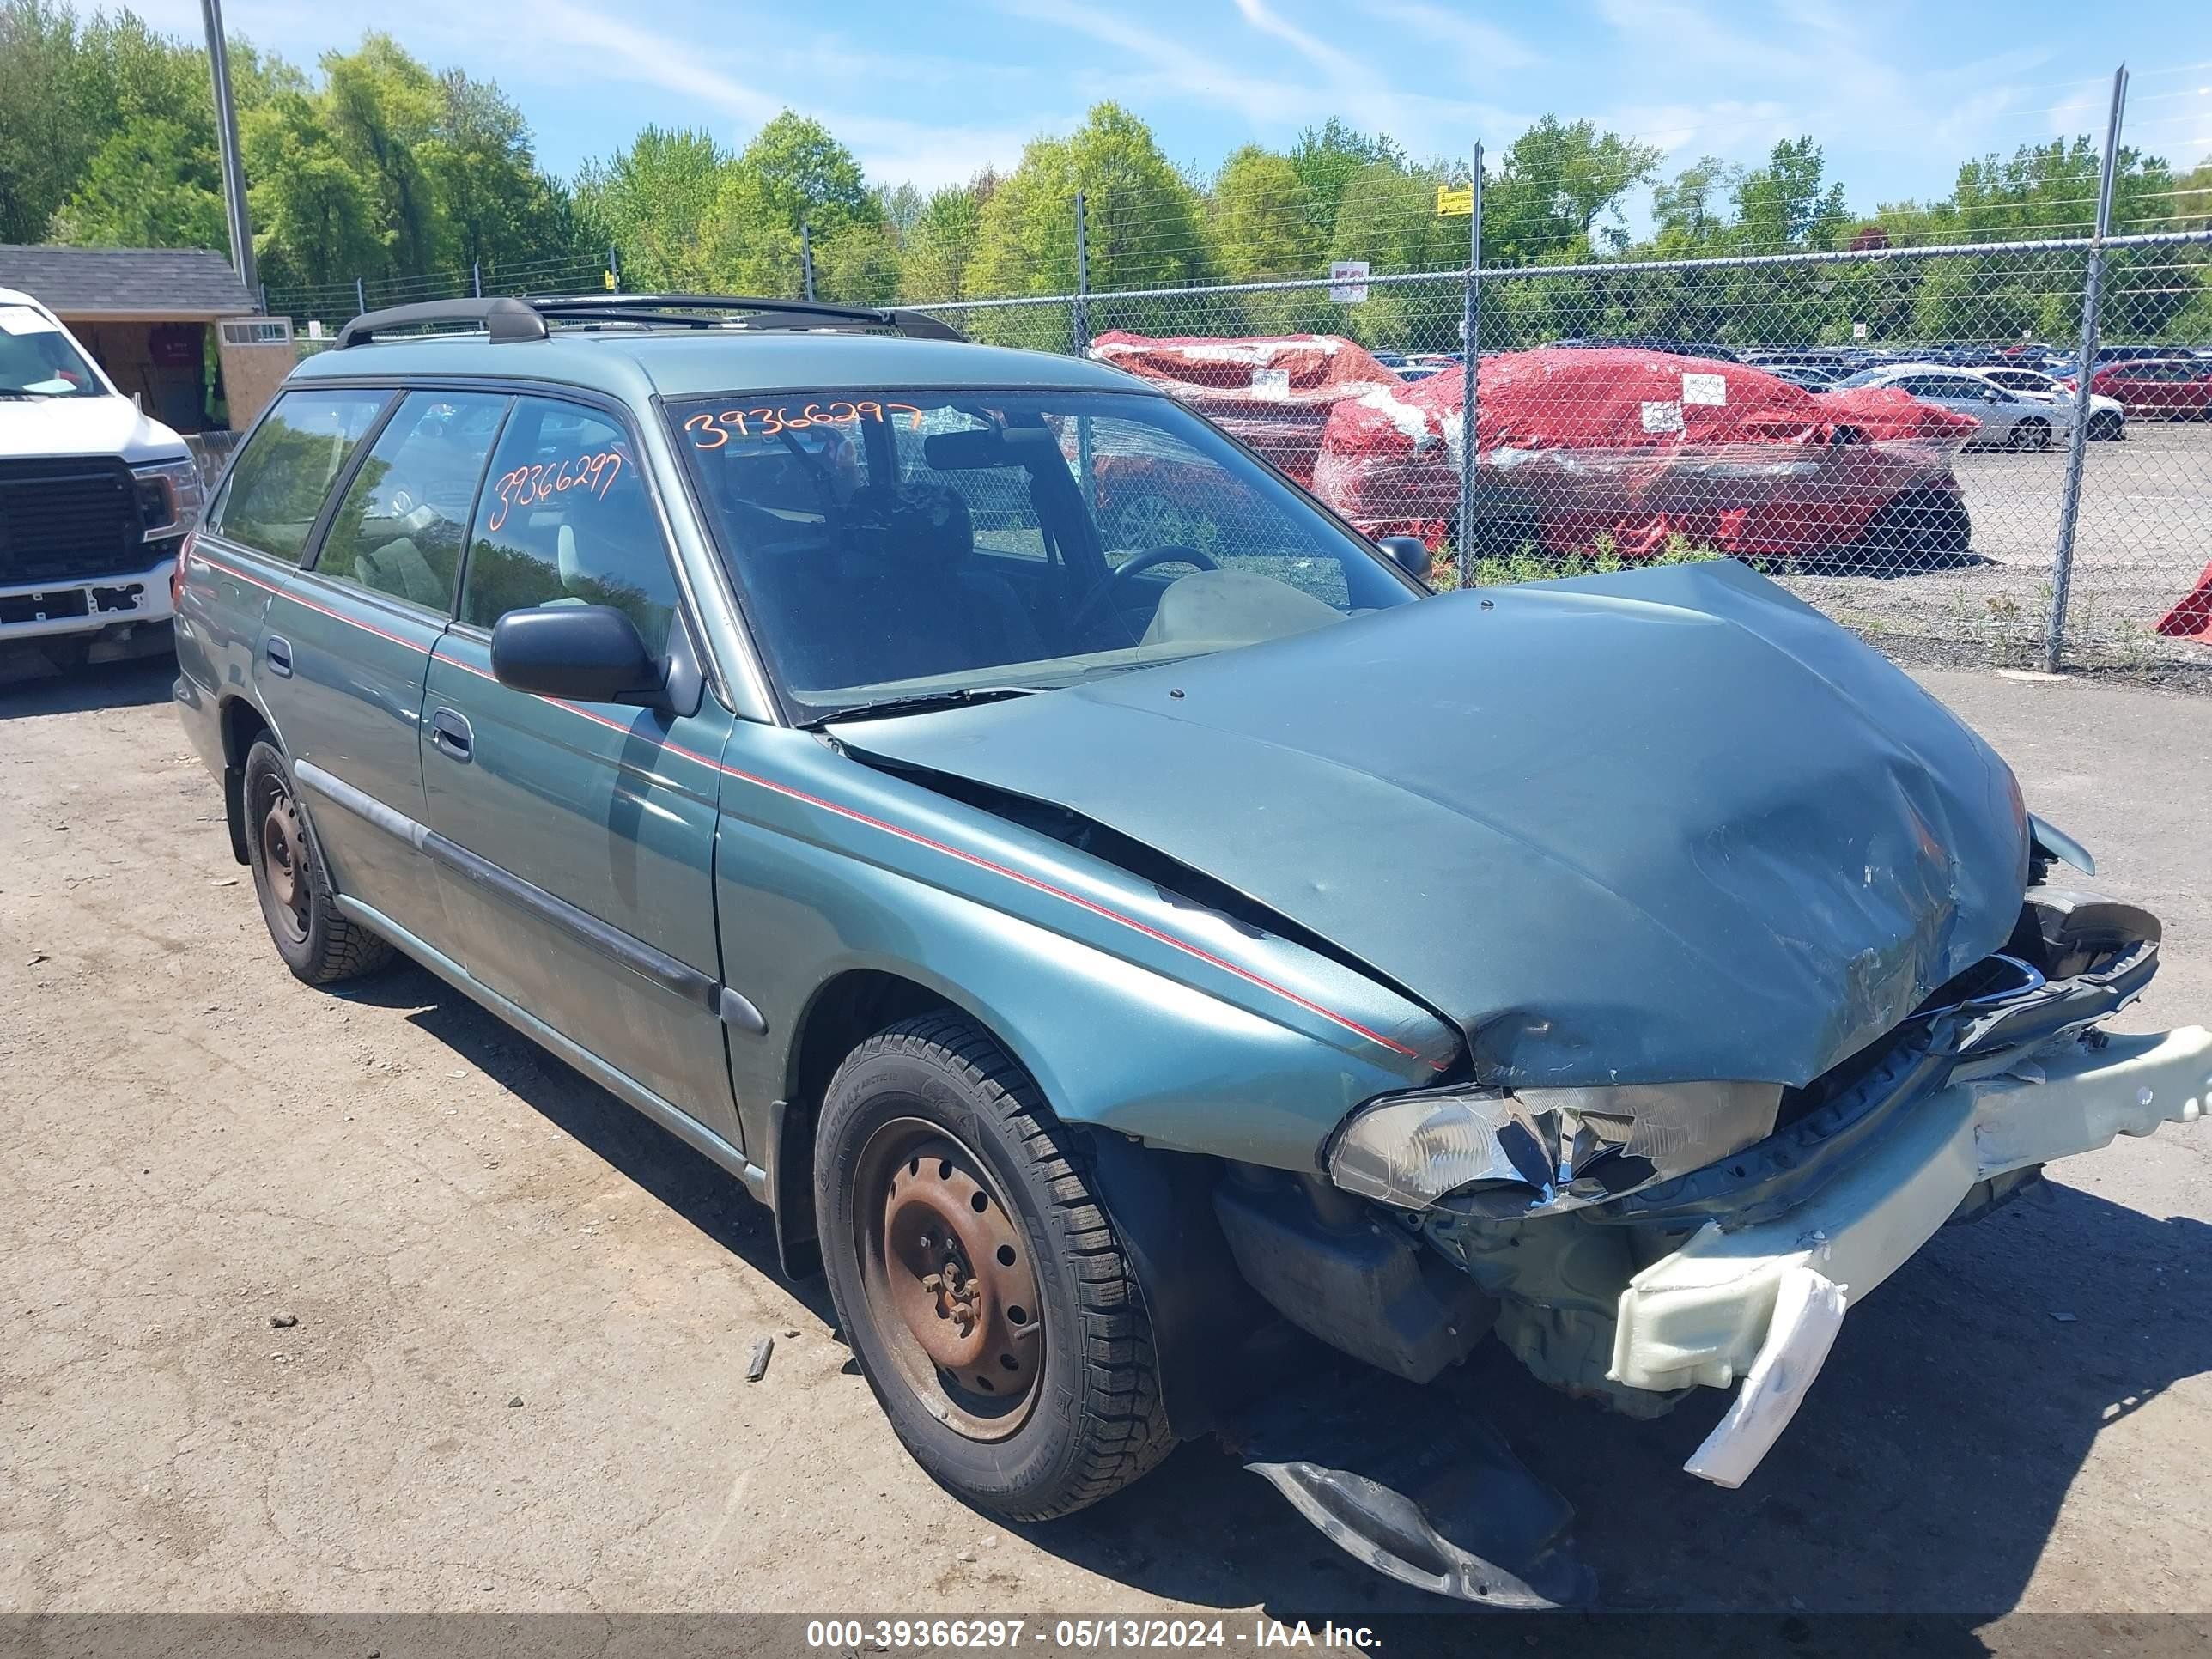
x: 1482, y: 47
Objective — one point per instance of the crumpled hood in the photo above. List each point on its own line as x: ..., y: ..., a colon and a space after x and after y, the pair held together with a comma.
x: 83, y: 426
x: 1658, y: 826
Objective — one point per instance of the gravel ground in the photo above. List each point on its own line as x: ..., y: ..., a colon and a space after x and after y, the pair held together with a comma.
x: 2142, y: 538
x: 516, y: 1379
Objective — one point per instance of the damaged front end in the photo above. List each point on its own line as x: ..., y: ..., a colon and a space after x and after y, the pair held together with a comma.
x: 1638, y: 1241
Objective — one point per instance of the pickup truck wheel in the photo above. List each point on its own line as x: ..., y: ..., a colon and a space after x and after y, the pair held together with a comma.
x: 980, y: 1285
x: 318, y: 945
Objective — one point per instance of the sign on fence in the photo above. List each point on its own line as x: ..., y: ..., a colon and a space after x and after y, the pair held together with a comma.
x: 1454, y: 199
x: 1347, y: 281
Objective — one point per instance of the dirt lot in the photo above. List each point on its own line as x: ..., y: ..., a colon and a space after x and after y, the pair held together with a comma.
x: 2144, y: 533
x: 517, y: 1379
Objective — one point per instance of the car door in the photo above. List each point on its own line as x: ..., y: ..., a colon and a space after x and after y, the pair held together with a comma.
x: 346, y: 642
x: 582, y: 889
x: 257, y: 527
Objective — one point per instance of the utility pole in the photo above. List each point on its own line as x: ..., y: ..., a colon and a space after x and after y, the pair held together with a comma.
x: 226, y: 133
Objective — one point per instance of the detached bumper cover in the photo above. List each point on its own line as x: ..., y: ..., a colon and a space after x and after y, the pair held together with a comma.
x: 1763, y: 1301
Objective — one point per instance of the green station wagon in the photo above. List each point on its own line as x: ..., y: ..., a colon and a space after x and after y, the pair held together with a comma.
x: 1118, y: 965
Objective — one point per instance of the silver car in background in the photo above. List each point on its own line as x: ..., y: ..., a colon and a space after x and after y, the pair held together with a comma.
x: 2009, y: 419
x: 2108, y: 417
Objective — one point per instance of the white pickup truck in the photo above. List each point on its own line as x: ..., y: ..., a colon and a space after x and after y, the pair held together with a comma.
x: 95, y: 497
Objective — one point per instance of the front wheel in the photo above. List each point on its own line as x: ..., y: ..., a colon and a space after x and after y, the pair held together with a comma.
x: 2032, y: 434
x: 980, y: 1283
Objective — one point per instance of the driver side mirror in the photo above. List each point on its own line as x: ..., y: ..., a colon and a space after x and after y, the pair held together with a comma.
x: 585, y: 653
x: 1409, y: 553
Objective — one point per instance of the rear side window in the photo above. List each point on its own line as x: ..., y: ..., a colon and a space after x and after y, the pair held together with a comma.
x: 276, y: 486
x: 400, y: 529
x: 565, y: 518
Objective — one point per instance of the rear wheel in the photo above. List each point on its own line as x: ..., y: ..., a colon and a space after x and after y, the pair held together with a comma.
x: 2106, y: 427
x: 318, y: 945
x: 980, y: 1285
x: 2031, y: 433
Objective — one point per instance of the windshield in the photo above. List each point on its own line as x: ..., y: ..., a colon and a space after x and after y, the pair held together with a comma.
x: 37, y: 361
x: 893, y: 546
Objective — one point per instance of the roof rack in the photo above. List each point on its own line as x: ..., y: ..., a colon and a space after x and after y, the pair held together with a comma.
x: 507, y: 318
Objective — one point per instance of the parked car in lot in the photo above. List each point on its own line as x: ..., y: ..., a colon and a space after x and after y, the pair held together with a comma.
x: 95, y: 497
x: 2107, y: 416
x: 2158, y: 388
x: 2008, y: 419
x: 737, y: 699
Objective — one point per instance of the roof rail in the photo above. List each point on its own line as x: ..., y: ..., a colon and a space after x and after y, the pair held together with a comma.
x: 772, y: 313
x: 524, y: 318
x: 503, y: 319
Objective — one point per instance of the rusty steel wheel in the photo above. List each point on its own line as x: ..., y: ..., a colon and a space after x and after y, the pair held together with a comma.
x: 981, y: 1283
x: 948, y: 1279
x: 284, y: 858
x: 318, y: 944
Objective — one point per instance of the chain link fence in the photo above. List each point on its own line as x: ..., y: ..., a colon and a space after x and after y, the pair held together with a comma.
x: 1887, y: 431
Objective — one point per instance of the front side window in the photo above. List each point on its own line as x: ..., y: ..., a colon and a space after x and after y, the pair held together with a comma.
x: 564, y: 517
x: 275, y: 488
x: 37, y: 360
x: 399, y: 528
x: 891, y: 545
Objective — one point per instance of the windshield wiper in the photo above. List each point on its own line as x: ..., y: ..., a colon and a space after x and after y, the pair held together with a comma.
x: 924, y: 703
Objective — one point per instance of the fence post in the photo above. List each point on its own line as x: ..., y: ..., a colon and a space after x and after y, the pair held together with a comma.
x: 806, y: 259
x: 614, y: 268
x: 1470, y: 344
x: 476, y: 277
x: 1078, y: 310
x: 2077, y: 440
x: 264, y: 299
x: 359, y: 297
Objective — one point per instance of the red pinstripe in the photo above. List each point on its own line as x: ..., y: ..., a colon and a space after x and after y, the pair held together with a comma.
x: 857, y: 817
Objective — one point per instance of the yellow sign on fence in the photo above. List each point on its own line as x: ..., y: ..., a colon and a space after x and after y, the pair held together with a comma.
x: 1459, y: 200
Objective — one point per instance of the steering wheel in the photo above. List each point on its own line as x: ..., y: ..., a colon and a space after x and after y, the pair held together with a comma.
x: 1108, y: 595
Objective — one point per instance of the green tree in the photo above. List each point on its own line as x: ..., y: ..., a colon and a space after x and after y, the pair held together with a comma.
x: 1261, y: 228
x: 151, y: 185
x: 793, y: 173
x: 941, y: 240
x: 858, y: 263
x: 496, y: 208
x: 316, y: 221
x: 45, y: 139
x: 382, y: 106
x: 1554, y: 184
x: 1328, y: 158
x: 649, y: 201
x: 1788, y: 203
x: 1145, y: 229
x: 1692, y: 207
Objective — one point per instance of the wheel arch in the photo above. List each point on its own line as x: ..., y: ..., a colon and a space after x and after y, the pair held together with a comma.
x: 241, y: 724
x: 1159, y: 1201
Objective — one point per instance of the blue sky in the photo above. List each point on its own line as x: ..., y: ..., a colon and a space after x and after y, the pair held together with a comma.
x: 1897, y: 92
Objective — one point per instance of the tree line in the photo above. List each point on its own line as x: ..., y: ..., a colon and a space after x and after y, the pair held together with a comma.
x: 378, y: 166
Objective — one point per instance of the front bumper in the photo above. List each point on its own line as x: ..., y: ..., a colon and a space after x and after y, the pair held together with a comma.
x: 85, y: 604
x: 1763, y: 1301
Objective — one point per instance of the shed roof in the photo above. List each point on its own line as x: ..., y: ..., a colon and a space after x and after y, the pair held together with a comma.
x: 126, y: 282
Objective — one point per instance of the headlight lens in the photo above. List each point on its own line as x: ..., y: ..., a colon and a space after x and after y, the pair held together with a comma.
x: 169, y: 497
x: 1537, y: 1150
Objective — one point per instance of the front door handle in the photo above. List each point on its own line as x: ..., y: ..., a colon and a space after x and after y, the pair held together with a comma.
x: 278, y: 650
x: 452, y: 733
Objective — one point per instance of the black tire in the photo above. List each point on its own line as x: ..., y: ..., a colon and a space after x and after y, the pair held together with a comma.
x: 2107, y: 428
x: 935, y: 1100
x: 1924, y: 523
x: 321, y: 947
x: 2030, y: 433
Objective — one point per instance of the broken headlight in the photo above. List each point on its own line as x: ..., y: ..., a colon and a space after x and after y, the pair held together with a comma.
x: 1498, y: 1153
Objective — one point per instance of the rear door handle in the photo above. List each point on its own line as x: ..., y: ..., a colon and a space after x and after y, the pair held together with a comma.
x: 453, y: 734
x: 278, y: 650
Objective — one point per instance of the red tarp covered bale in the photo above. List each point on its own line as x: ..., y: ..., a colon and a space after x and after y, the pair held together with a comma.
x: 1636, y: 446
x: 1274, y: 392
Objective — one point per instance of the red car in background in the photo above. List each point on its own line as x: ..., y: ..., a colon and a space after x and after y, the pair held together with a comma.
x: 1630, y: 449
x: 2170, y: 388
